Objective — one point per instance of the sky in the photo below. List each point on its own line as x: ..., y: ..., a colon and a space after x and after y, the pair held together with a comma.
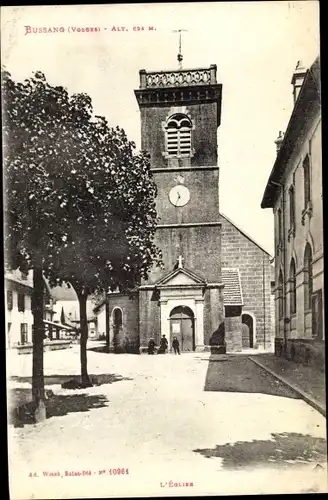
x: 255, y: 45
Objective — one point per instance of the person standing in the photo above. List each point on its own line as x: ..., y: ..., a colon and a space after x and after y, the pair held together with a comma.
x: 176, y: 345
x: 163, y: 345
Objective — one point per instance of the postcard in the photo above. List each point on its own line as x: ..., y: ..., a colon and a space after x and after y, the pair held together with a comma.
x: 163, y: 247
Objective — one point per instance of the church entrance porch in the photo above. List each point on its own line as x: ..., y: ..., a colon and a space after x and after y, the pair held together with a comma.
x: 182, y: 323
x: 181, y: 299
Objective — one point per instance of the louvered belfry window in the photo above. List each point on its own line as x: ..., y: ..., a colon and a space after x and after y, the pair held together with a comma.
x: 178, y: 135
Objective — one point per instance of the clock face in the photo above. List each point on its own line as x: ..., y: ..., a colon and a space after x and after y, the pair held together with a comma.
x: 179, y: 196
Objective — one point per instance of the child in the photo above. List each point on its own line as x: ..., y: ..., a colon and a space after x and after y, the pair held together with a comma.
x: 176, y: 345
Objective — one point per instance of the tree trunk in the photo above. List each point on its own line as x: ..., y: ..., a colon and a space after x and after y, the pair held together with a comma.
x: 38, y: 336
x: 85, y: 380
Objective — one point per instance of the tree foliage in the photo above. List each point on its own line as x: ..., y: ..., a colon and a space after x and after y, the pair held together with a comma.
x: 79, y: 198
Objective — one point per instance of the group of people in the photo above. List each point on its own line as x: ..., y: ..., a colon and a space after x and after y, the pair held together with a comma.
x: 163, y: 346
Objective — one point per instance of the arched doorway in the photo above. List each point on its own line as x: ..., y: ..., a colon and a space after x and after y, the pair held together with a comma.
x: 247, y: 329
x: 117, y: 327
x: 182, y: 326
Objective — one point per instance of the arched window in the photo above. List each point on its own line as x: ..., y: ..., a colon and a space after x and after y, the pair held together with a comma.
x: 117, y: 318
x: 308, y: 277
x: 178, y: 135
x: 292, y: 291
x: 280, y: 295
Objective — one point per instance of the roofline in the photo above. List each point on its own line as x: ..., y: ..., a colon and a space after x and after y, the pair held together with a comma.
x: 12, y: 278
x: 246, y: 235
x: 280, y: 160
x: 177, y: 70
x: 176, y: 271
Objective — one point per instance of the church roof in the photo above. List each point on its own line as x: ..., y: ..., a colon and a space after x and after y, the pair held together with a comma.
x: 232, y: 292
x: 245, y: 234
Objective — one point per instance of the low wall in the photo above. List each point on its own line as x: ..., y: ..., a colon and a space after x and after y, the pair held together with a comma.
x: 305, y: 351
x: 47, y: 346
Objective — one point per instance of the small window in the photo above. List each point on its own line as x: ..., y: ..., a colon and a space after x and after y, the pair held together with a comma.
x: 21, y: 302
x: 292, y: 208
x: 307, y: 181
x: 178, y: 135
x: 23, y: 333
x: 9, y: 300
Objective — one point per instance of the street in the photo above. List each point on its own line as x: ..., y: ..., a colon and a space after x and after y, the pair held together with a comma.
x: 218, y: 422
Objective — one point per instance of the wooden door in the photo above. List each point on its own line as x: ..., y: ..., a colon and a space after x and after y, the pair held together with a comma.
x: 182, y: 327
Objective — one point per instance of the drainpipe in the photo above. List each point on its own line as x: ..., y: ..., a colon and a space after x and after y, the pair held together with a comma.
x: 264, y: 318
x: 284, y: 260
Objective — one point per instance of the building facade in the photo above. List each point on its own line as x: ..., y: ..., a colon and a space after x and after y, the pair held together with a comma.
x: 200, y: 293
x: 18, y: 307
x: 67, y: 309
x: 294, y: 192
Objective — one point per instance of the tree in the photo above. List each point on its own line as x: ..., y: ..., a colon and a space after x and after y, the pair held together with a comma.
x: 31, y: 210
x: 79, y: 200
x: 110, y: 197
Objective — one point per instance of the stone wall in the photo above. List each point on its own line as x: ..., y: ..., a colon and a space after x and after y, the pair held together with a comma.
x: 239, y: 251
x: 199, y: 246
x: 308, y: 226
x: 130, y: 325
x: 233, y: 336
x: 204, y: 137
x: 305, y: 351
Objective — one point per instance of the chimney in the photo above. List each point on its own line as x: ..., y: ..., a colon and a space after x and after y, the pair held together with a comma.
x: 298, y: 79
x: 279, y: 140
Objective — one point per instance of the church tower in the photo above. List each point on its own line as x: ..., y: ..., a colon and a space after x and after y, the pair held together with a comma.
x: 180, y: 113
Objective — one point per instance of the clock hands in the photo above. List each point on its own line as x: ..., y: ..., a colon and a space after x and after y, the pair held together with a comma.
x: 179, y: 196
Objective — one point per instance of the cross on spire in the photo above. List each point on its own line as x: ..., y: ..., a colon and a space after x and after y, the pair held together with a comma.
x: 180, y: 262
x: 180, y: 56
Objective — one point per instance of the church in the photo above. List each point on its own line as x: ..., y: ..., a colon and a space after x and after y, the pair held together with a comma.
x: 214, y: 292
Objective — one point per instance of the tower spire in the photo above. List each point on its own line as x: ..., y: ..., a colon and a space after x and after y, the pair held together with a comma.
x: 180, y: 56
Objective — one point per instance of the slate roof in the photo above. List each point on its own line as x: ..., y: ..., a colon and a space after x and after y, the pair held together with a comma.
x: 232, y: 292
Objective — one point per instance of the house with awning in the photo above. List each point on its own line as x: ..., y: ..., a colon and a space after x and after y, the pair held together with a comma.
x: 19, y: 316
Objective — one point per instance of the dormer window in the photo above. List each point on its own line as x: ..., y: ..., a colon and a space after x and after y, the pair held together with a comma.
x: 178, y: 136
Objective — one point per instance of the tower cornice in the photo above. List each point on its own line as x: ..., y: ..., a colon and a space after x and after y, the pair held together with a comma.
x: 178, y: 78
x: 179, y: 87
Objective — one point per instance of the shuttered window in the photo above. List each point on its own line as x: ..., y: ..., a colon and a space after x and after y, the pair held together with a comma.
x: 178, y: 135
x: 9, y: 300
x: 23, y: 332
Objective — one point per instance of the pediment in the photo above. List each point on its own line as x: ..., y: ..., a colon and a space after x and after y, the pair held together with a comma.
x: 181, y: 277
